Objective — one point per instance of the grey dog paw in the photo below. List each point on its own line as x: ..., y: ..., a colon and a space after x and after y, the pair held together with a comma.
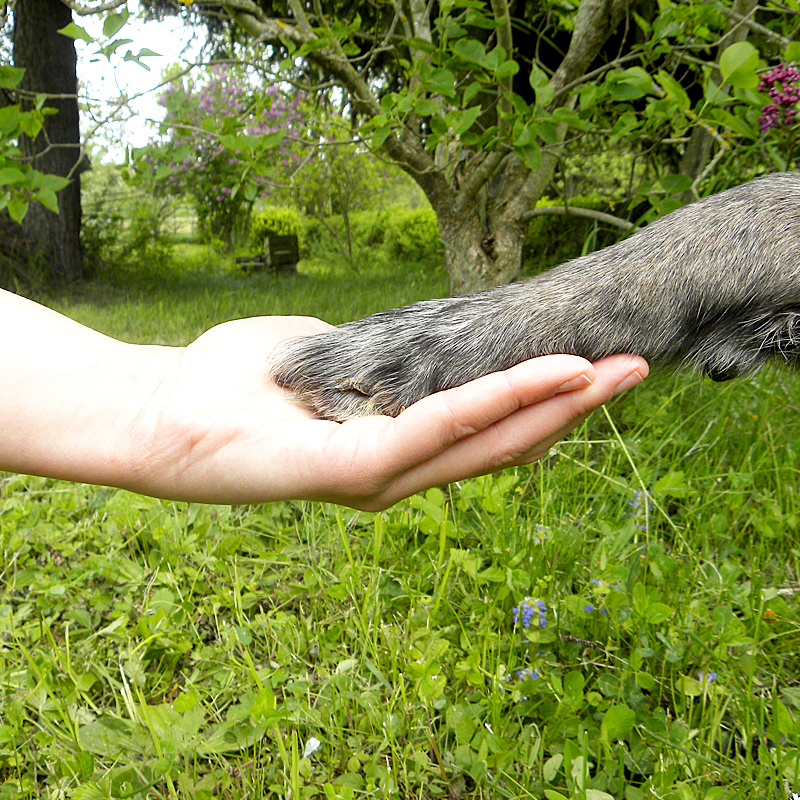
x: 378, y: 365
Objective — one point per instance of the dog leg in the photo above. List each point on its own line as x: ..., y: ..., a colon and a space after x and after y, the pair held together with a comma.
x: 714, y: 286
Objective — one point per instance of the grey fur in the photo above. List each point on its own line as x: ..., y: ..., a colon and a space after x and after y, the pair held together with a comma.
x: 714, y: 286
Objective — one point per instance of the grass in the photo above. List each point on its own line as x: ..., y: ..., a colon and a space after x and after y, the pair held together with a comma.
x: 621, y: 622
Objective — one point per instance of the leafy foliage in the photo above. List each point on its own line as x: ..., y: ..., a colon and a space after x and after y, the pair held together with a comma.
x: 276, y: 221
x: 223, y: 147
x: 20, y: 183
x: 413, y: 235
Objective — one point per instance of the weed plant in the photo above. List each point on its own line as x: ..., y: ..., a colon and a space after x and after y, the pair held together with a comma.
x: 619, y: 622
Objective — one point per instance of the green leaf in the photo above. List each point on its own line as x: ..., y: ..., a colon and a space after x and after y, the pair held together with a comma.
x: 10, y: 77
x: 674, y: 184
x: 477, y: 19
x: 11, y: 175
x: 462, y: 121
x: 573, y: 684
x: 440, y: 81
x: 113, y: 23
x: 673, y: 90
x: 470, y: 50
x: 48, y: 199
x: 461, y: 723
x: 18, y: 208
x: 530, y: 155
x: 380, y: 136
x: 617, y: 723
x: 551, y: 767
x: 129, y: 56
x: 424, y: 107
x: 738, y: 65
x: 571, y: 118
x: 53, y: 183
x: 540, y: 83
x: 270, y: 141
x: 74, y: 31
x: 658, y: 613
x: 628, y: 84
x: 640, y: 599
x: 733, y: 123
x: 688, y: 686
x: 507, y: 69
x: 264, y: 710
x: 111, y: 48
x: 31, y: 124
x: 645, y: 680
x: 674, y: 482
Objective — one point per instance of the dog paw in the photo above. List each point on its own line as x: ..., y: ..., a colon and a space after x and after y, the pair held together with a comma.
x: 384, y: 363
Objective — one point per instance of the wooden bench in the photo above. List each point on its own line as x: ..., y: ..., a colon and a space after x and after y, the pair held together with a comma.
x: 279, y: 256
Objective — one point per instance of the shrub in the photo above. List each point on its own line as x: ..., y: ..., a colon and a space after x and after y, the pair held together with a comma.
x: 276, y: 221
x: 413, y: 235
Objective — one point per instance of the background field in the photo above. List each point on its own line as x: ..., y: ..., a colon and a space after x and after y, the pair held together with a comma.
x: 621, y: 621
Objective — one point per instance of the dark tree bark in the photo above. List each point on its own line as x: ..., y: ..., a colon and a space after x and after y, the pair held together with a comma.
x: 50, y: 65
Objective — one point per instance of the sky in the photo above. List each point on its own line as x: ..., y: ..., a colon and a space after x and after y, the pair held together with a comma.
x: 105, y: 79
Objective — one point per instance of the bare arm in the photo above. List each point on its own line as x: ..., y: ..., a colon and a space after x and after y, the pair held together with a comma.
x: 205, y: 423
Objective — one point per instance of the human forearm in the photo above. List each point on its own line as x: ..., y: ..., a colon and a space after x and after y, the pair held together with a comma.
x: 206, y: 422
x: 71, y: 399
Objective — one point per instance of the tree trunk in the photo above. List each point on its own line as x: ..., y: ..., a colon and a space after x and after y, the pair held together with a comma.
x: 480, y: 252
x: 50, y: 65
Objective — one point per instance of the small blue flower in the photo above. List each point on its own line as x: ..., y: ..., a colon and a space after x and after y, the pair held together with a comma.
x: 523, y: 613
x: 642, y: 506
x: 588, y: 608
x: 528, y: 674
x: 710, y: 676
x: 542, y: 613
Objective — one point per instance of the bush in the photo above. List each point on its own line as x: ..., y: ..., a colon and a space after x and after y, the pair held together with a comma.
x: 413, y: 235
x: 554, y: 238
x: 276, y: 221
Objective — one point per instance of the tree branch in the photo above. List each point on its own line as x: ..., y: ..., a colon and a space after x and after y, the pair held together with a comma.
x: 575, y: 211
x: 505, y: 39
x: 593, y: 24
x: 748, y: 22
x: 83, y: 11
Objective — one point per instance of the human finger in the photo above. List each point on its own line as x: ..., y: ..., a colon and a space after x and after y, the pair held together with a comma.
x: 500, y: 420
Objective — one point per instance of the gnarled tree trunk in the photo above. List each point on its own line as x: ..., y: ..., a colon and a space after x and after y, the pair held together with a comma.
x: 480, y: 252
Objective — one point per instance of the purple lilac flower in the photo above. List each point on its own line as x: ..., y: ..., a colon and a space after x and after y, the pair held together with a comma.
x: 780, y: 83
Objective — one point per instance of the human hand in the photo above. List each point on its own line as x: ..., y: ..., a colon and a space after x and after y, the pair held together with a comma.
x: 219, y: 430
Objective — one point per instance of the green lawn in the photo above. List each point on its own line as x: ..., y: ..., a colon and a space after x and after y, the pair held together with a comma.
x: 621, y: 622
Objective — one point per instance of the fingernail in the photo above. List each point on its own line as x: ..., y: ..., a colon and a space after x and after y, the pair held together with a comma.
x: 634, y: 379
x: 581, y: 382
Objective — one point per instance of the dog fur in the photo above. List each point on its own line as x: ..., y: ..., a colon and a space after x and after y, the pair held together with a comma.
x: 714, y: 286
